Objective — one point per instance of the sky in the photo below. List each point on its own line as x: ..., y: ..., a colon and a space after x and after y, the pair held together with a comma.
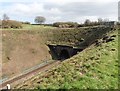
x: 60, y: 10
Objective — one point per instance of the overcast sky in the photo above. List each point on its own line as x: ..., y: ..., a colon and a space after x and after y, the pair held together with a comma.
x: 60, y: 10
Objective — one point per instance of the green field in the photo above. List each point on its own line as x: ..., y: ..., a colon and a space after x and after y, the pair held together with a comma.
x: 31, y: 27
x: 94, y: 68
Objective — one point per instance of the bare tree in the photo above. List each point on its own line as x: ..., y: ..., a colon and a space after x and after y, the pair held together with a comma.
x: 106, y: 20
x: 87, y: 22
x: 100, y: 21
x: 5, y: 17
x: 40, y: 19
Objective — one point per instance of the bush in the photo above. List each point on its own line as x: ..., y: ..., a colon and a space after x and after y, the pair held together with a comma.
x: 0, y: 23
x: 72, y: 24
x: 66, y: 24
x: 25, y: 22
x: 11, y: 24
x: 56, y: 24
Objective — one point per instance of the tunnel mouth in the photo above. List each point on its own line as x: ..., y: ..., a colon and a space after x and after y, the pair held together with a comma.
x: 62, y: 52
x: 64, y: 55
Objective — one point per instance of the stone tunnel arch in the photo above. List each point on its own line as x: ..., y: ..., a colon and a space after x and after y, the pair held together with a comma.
x: 64, y: 54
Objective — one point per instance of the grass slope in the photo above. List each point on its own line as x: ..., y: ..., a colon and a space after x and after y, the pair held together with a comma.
x: 94, y: 68
x: 31, y: 27
x: 22, y: 50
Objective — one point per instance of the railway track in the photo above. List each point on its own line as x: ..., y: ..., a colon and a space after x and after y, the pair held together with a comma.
x: 29, y: 74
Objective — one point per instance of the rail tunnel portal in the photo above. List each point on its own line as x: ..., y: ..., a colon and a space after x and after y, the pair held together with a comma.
x: 62, y: 52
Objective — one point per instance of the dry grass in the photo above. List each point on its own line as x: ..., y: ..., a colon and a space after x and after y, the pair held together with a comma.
x: 22, y: 50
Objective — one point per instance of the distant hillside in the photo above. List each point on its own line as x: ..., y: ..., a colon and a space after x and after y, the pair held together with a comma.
x: 94, y: 68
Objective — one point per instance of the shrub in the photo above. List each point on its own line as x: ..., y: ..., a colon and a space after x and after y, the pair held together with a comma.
x: 72, y: 24
x: 0, y: 23
x: 25, y: 22
x: 11, y: 24
x: 66, y: 24
x: 56, y: 24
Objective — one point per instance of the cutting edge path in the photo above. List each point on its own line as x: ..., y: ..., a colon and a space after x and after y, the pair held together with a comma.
x: 29, y: 74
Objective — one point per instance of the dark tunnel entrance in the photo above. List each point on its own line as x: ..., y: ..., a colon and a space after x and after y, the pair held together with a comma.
x: 64, y: 55
x: 62, y: 52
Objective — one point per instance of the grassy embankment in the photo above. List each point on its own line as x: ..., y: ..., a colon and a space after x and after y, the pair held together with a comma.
x: 23, y: 49
x: 94, y: 68
x: 31, y: 27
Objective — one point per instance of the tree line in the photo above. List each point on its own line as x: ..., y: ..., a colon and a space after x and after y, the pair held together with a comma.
x: 7, y: 23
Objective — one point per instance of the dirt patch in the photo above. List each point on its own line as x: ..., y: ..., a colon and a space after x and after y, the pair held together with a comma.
x: 22, y: 50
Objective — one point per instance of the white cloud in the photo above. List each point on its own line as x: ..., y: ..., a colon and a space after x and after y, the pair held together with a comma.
x: 29, y: 9
x: 20, y: 8
x: 61, y: 10
x: 54, y: 11
x: 53, y: 19
x: 59, y: 1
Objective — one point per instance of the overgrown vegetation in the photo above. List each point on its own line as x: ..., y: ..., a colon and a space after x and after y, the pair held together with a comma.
x: 94, y: 68
x: 11, y: 24
x: 30, y: 27
x: 78, y: 37
x: 66, y: 24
